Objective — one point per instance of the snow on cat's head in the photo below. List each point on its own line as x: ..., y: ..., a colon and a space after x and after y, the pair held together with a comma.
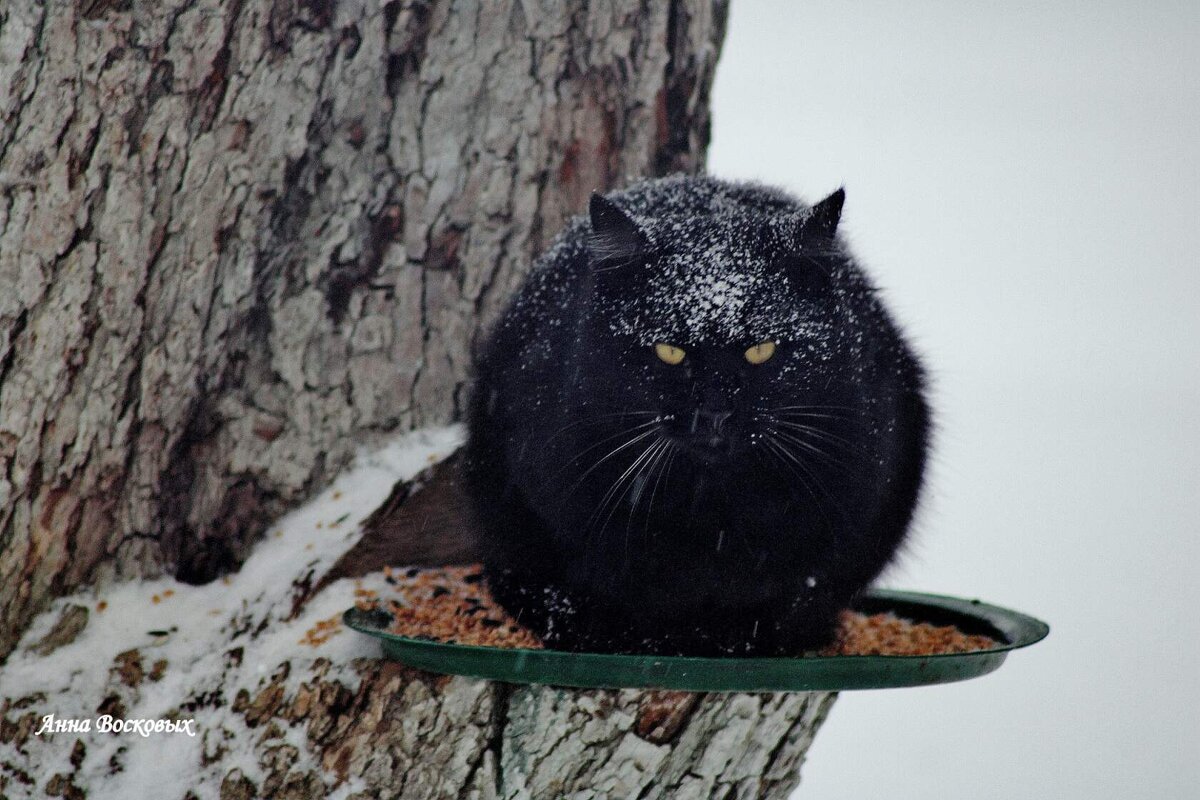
x: 721, y: 275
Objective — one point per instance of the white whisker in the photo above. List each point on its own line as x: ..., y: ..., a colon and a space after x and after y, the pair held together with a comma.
x: 650, y: 449
x: 616, y: 450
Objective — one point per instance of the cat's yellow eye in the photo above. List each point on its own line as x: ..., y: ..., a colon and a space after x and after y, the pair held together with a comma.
x: 670, y: 354
x: 760, y: 352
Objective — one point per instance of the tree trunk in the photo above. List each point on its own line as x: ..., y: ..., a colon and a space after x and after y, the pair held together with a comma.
x: 241, y: 238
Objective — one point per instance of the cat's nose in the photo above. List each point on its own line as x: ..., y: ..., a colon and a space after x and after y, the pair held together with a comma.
x: 710, y: 422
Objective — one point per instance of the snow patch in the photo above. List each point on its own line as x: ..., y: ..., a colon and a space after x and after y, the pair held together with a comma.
x: 193, y: 628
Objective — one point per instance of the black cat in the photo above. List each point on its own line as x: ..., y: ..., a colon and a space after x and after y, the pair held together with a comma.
x: 696, y: 430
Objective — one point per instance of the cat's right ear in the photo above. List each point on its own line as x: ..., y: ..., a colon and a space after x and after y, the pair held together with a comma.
x: 615, y: 240
x: 823, y: 218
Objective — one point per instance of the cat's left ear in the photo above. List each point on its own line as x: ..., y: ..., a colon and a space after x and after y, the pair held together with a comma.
x: 823, y: 218
x: 616, y: 239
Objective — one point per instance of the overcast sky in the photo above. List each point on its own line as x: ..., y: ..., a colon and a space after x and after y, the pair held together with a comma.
x: 1024, y: 182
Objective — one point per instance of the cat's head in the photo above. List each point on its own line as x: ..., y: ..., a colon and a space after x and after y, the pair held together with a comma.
x: 722, y: 328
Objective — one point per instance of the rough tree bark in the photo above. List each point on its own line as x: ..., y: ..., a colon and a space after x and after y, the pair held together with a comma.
x: 400, y: 734
x: 457, y: 738
x: 240, y: 239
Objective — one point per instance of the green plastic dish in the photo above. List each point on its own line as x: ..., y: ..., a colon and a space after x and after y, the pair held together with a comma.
x: 732, y: 674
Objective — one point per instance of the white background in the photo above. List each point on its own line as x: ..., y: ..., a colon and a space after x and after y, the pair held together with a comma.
x: 1024, y: 182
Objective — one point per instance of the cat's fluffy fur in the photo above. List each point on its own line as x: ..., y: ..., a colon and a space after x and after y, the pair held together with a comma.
x: 712, y: 506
